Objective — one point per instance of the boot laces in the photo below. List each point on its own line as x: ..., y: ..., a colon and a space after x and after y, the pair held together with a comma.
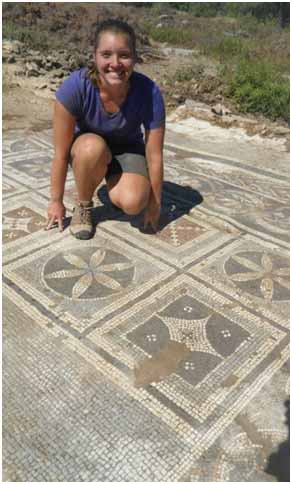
x: 85, y: 214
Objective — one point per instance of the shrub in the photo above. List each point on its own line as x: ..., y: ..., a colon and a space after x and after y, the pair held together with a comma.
x: 32, y: 37
x: 170, y: 35
x: 256, y: 86
x: 186, y: 74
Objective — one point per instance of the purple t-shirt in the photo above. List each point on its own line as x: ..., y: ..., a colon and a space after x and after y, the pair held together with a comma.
x: 143, y: 106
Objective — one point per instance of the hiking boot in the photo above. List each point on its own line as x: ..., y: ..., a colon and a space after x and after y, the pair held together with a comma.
x: 81, y: 224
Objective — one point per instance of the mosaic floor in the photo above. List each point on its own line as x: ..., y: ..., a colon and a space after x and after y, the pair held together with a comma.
x: 146, y: 357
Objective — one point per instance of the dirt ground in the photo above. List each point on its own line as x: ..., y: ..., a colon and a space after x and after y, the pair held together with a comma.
x: 28, y: 102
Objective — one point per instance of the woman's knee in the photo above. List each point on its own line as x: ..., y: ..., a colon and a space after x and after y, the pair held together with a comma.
x: 92, y: 149
x: 132, y: 204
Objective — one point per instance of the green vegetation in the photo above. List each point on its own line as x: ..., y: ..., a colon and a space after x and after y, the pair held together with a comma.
x: 188, y: 73
x: 169, y: 34
x: 258, y: 87
x: 259, y: 10
x: 30, y: 36
x: 248, y: 42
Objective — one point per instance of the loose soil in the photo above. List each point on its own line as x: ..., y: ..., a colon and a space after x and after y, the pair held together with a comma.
x: 28, y: 98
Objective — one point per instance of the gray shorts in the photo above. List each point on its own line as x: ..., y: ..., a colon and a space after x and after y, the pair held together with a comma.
x: 127, y: 163
x: 126, y: 159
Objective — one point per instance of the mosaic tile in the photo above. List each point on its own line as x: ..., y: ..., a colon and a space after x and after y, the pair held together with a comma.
x: 21, y: 221
x: 15, y: 143
x: 218, y: 346
x: 118, y: 438
x: 24, y: 219
x: 255, y: 273
x: 142, y: 356
x: 254, y: 202
x: 181, y: 239
x: 252, y: 180
x: 104, y: 271
x: 247, y: 448
x: 31, y: 169
x: 10, y: 187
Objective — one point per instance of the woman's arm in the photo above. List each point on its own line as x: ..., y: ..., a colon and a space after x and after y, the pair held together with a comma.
x: 154, y: 140
x: 64, y: 124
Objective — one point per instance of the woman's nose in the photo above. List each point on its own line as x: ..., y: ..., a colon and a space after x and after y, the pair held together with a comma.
x: 115, y: 61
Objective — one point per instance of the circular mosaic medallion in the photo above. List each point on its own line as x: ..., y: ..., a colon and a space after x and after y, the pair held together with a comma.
x: 264, y: 275
x: 89, y: 273
x: 277, y: 220
x: 234, y: 202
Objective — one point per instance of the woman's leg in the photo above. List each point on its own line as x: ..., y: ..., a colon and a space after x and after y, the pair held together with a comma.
x: 129, y: 191
x: 90, y: 157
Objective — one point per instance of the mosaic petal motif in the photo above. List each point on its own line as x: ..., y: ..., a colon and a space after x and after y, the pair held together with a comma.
x: 234, y: 202
x: 277, y: 219
x: 89, y: 273
x: 263, y: 275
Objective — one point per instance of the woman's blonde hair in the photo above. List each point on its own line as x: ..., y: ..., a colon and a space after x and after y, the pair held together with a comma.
x: 116, y: 26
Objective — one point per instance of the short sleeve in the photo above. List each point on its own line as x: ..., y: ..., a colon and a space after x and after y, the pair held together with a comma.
x: 154, y: 109
x: 69, y: 94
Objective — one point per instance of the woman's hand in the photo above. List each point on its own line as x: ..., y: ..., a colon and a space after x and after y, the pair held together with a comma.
x: 152, y: 214
x: 56, y: 214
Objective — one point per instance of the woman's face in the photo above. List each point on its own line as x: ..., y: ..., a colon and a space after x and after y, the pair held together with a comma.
x: 114, y: 59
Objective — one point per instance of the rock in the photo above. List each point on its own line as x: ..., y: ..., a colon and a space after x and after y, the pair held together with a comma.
x: 32, y: 69
x: 220, y: 110
x: 158, y: 26
x: 59, y: 74
x: 57, y: 64
x: 10, y: 47
x: 165, y: 17
x: 19, y: 72
x: 196, y: 105
x: 168, y: 51
x: 11, y: 59
x: 179, y: 98
x: 281, y: 130
x: 39, y: 61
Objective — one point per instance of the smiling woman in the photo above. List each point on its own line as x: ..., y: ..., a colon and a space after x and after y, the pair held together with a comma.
x: 97, y: 129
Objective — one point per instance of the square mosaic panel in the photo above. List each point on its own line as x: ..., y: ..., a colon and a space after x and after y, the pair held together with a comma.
x: 13, y: 144
x: 255, y: 202
x: 198, y: 349
x: 253, y: 272
x: 250, y: 179
x: 23, y: 225
x: 11, y: 187
x: 180, y: 240
x: 82, y: 282
x: 22, y: 216
x: 31, y: 168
